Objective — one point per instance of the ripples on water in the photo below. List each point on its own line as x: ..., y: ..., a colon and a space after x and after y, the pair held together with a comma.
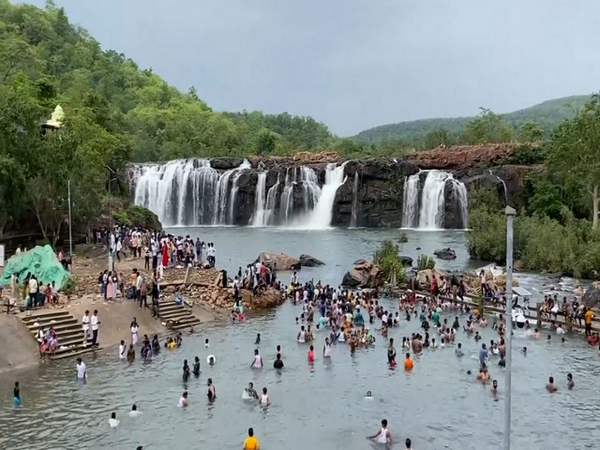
x: 322, y: 406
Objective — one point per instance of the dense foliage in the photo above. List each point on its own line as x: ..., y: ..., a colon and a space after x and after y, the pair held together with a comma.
x: 388, y: 258
x: 114, y: 112
x: 527, y: 125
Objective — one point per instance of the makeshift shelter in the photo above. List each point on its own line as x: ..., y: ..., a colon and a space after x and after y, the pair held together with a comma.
x: 39, y: 261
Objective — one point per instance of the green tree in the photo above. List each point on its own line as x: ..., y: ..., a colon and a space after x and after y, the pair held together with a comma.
x: 531, y: 132
x: 487, y: 127
x: 574, y: 154
x: 265, y: 143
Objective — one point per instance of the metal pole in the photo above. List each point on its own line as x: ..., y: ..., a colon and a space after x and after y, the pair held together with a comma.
x: 70, y: 231
x: 510, y: 216
x: 110, y: 222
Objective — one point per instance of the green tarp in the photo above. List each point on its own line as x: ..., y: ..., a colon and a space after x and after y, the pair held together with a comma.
x: 39, y: 261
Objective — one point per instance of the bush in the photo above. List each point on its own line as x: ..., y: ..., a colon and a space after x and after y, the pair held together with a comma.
x: 425, y: 262
x: 387, y: 257
x: 403, y: 239
x: 137, y: 216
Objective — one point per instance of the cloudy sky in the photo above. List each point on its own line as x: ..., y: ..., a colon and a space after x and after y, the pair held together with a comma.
x: 354, y: 64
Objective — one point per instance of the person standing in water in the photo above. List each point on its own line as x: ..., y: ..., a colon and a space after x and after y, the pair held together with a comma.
x: 278, y: 364
x: 186, y: 371
x: 113, y: 422
x: 257, y: 362
x: 251, y: 443
x: 183, y: 401
x: 196, y: 369
x: 257, y: 341
x: 391, y: 353
x: 551, y: 387
x: 17, y: 394
x: 570, y: 382
x: 251, y: 391
x: 212, y: 392
x: 327, y: 349
x: 311, y: 354
x: 383, y: 436
x: 264, y: 398
x: 81, y: 370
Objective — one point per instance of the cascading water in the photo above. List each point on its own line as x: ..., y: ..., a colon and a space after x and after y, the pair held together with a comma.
x: 188, y: 192
x: 429, y: 202
x: 191, y: 192
x: 320, y: 217
x: 258, y: 219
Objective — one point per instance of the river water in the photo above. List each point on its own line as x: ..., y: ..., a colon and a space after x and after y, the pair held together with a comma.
x: 438, y: 405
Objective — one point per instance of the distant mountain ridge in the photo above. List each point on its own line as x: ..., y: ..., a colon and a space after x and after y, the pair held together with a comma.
x: 548, y: 114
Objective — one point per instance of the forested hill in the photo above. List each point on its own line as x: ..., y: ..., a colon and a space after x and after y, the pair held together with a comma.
x: 48, y: 61
x: 547, y: 114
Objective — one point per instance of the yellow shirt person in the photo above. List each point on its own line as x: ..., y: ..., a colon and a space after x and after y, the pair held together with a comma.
x: 251, y: 443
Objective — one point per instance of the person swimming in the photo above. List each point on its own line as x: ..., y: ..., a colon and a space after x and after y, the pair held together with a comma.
x: 369, y: 394
x: 211, y: 360
x: 206, y: 343
x: 251, y: 392
x: 113, y: 422
x: 570, y: 382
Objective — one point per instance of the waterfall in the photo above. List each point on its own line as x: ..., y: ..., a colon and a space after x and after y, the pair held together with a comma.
x: 354, y: 213
x: 258, y: 219
x: 320, y: 217
x: 271, y: 203
x: 187, y: 192
x: 426, y: 202
x: 192, y: 192
x: 410, y: 203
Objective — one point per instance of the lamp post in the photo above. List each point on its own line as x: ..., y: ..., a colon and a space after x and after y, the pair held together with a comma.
x: 510, y: 216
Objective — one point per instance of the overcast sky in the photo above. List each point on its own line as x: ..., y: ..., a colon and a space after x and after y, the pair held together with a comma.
x: 355, y: 64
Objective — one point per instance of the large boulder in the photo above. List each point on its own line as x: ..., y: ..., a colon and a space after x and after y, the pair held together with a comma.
x: 406, y: 261
x: 364, y: 274
x: 591, y: 298
x: 445, y: 253
x: 279, y: 260
x: 310, y: 261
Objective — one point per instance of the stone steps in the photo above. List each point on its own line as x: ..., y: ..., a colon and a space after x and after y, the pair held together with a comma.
x: 176, y: 316
x: 68, y: 330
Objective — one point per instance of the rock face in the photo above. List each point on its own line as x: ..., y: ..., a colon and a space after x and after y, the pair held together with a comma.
x: 461, y: 156
x: 310, y: 261
x: 377, y: 193
x: 445, y: 253
x: 279, y: 260
x: 591, y: 298
x: 364, y: 274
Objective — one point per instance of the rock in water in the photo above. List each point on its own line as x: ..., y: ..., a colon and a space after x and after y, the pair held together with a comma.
x: 310, y: 261
x: 280, y: 260
x: 364, y: 274
x: 445, y: 253
x: 406, y: 261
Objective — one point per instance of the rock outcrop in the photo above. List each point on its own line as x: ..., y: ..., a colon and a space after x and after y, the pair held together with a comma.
x: 462, y: 156
x: 281, y: 261
x: 364, y: 274
x: 445, y: 253
x: 310, y: 261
